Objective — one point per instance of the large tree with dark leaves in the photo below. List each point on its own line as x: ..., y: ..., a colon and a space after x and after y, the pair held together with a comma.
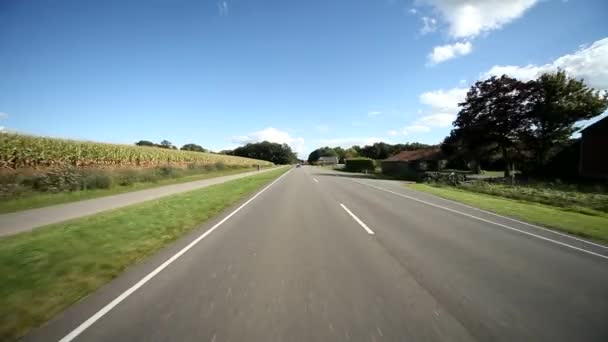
x: 495, y: 112
x: 561, y: 102
x: 273, y: 152
x: 314, y: 156
x: 193, y: 147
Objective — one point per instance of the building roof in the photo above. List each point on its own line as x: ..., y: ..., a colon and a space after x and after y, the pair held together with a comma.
x: 329, y: 158
x: 424, y: 154
x: 596, y: 125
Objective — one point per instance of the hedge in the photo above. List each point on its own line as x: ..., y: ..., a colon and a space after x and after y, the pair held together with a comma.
x: 359, y: 164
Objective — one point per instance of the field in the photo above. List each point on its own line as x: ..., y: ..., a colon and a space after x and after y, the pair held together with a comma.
x: 23, y: 151
x: 38, y: 171
x: 50, y: 268
x: 582, y: 221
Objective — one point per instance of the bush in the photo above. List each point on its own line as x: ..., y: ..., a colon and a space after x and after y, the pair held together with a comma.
x: 20, y: 182
x: 359, y: 165
x: 452, y: 178
x: 167, y: 172
x: 127, y: 177
x: 57, y: 180
x: 96, y: 180
x: 546, y: 193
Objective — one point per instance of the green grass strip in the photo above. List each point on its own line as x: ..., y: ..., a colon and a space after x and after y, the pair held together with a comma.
x: 589, y: 226
x: 50, y: 268
x: 38, y: 200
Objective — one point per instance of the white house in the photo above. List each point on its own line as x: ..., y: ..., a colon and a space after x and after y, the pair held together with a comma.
x: 328, y: 160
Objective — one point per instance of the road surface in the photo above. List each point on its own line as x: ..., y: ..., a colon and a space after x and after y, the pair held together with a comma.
x: 323, y: 256
x: 25, y: 220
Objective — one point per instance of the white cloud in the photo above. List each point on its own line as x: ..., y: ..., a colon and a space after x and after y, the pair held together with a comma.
x: 442, y: 107
x: 437, y: 120
x: 348, y: 142
x: 322, y: 128
x: 1, y: 128
x: 392, y: 132
x: 273, y: 135
x: 429, y: 24
x: 444, y: 100
x: 3, y: 115
x: 415, y: 128
x: 222, y: 7
x: 588, y: 62
x: 374, y: 113
x: 445, y: 52
x: 469, y: 18
x: 413, y: 11
x: 355, y: 123
x: 427, y: 122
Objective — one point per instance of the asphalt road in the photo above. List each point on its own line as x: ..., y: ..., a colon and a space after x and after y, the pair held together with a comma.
x: 25, y: 220
x: 322, y: 256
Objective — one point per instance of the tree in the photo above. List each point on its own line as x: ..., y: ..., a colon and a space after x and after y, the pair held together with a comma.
x: 145, y: 143
x: 273, y: 152
x: 562, y: 101
x: 495, y: 112
x: 227, y: 152
x: 351, y: 153
x: 165, y: 144
x: 193, y: 147
x: 379, y: 150
x: 314, y: 156
x: 467, y: 149
x: 340, y: 153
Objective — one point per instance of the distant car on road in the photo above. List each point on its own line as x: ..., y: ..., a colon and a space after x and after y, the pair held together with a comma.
x: 298, y: 165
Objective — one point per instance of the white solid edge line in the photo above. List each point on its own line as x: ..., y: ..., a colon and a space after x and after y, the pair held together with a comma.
x: 361, y: 223
x: 99, y: 314
x: 518, y: 221
x: 488, y: 221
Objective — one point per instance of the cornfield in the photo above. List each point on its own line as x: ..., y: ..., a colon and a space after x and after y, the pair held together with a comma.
x: 23, y: 151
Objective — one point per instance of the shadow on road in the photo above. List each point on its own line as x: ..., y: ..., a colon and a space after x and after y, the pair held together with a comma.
x: 348, y: 175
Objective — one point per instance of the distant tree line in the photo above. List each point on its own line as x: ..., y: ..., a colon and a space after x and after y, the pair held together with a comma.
x: 168, y: 145
x: 272, y: 152
x: 265, y: 150
x: 379, y: 150
x: 520, y: 124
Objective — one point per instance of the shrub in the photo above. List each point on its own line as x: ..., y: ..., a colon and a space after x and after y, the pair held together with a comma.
x: 127, y: 177
x: 56, y: 180
x: 451, y: 178
x: 96, y: 180
x: 167, y: 171
x: 359, y: 165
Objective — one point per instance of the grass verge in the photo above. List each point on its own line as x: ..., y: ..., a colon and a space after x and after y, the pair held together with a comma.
x: 589, y: 226
x: 38, y: 200
x: 48, y: 269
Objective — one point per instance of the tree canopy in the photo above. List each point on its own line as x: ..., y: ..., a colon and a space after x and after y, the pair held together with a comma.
x: 521, y: 121
x: 379, y: 150
x: 193, y: 147
x: 163, y: 144
x: 265, y: 150
x: 561, y: 102
x: 145, y: 143
x: 314, y: 156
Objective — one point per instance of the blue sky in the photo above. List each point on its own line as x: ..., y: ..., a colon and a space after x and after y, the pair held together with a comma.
x: 308, y: 73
